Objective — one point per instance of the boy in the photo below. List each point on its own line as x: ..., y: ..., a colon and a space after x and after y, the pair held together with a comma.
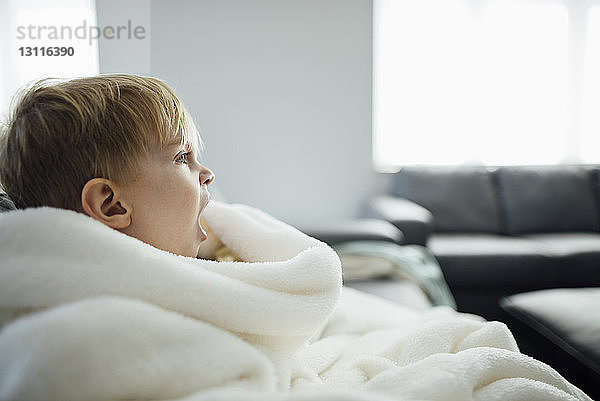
x: 116, y: 306
x: 120, y: 148
x: 102, y: 295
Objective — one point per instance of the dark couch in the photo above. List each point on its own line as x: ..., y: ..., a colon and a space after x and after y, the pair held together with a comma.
x: 500, y: 231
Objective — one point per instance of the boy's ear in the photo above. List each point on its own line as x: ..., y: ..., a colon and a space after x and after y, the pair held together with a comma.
x: 100, y: 198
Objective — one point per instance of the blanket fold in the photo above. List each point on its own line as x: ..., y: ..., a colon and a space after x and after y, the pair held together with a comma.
x: 138, y: 352
x: 87, y: 313
x: 56, y: 262
x: 72, y: 257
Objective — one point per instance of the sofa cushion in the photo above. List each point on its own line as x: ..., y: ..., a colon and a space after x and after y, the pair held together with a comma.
x: 493, y: 261
x: 577, y: 255
x: 547, y: 199
x: 561, y: 327
x: 461, y: 199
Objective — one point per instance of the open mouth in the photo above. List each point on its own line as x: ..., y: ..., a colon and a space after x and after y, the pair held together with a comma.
x: 203, y: 234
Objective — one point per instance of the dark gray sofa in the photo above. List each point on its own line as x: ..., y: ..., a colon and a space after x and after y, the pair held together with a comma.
x: 562, y: 328
x: 500, y: 231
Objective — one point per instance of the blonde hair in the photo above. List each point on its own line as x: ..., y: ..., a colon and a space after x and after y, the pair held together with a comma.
x: 62, y: 134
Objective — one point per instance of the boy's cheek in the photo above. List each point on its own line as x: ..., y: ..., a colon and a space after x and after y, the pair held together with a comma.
x: 191, y: 196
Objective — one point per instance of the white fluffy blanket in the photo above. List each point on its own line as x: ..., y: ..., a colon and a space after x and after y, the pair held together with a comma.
x: 88, y: 313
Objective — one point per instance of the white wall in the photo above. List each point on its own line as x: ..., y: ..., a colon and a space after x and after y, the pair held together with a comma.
x: 281, y: 91
x: 129, y: 53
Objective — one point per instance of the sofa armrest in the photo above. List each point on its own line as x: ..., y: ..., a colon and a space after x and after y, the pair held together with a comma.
x: 357, y: 230
x: 5, y: 203
x: 415, y: 222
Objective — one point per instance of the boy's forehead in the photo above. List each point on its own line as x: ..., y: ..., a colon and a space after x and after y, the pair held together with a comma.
x: 183, y: 135
x: 181, y: 142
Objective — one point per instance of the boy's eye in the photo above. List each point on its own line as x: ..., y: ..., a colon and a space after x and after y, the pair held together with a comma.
x: 183, y: 158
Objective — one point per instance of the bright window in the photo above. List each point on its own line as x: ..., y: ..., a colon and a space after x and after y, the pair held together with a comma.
x: 589, y: 144
x: 43, y: 24
x: 492, y: 82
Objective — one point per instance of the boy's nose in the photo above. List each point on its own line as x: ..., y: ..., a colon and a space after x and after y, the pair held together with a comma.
x: 206, y: 176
